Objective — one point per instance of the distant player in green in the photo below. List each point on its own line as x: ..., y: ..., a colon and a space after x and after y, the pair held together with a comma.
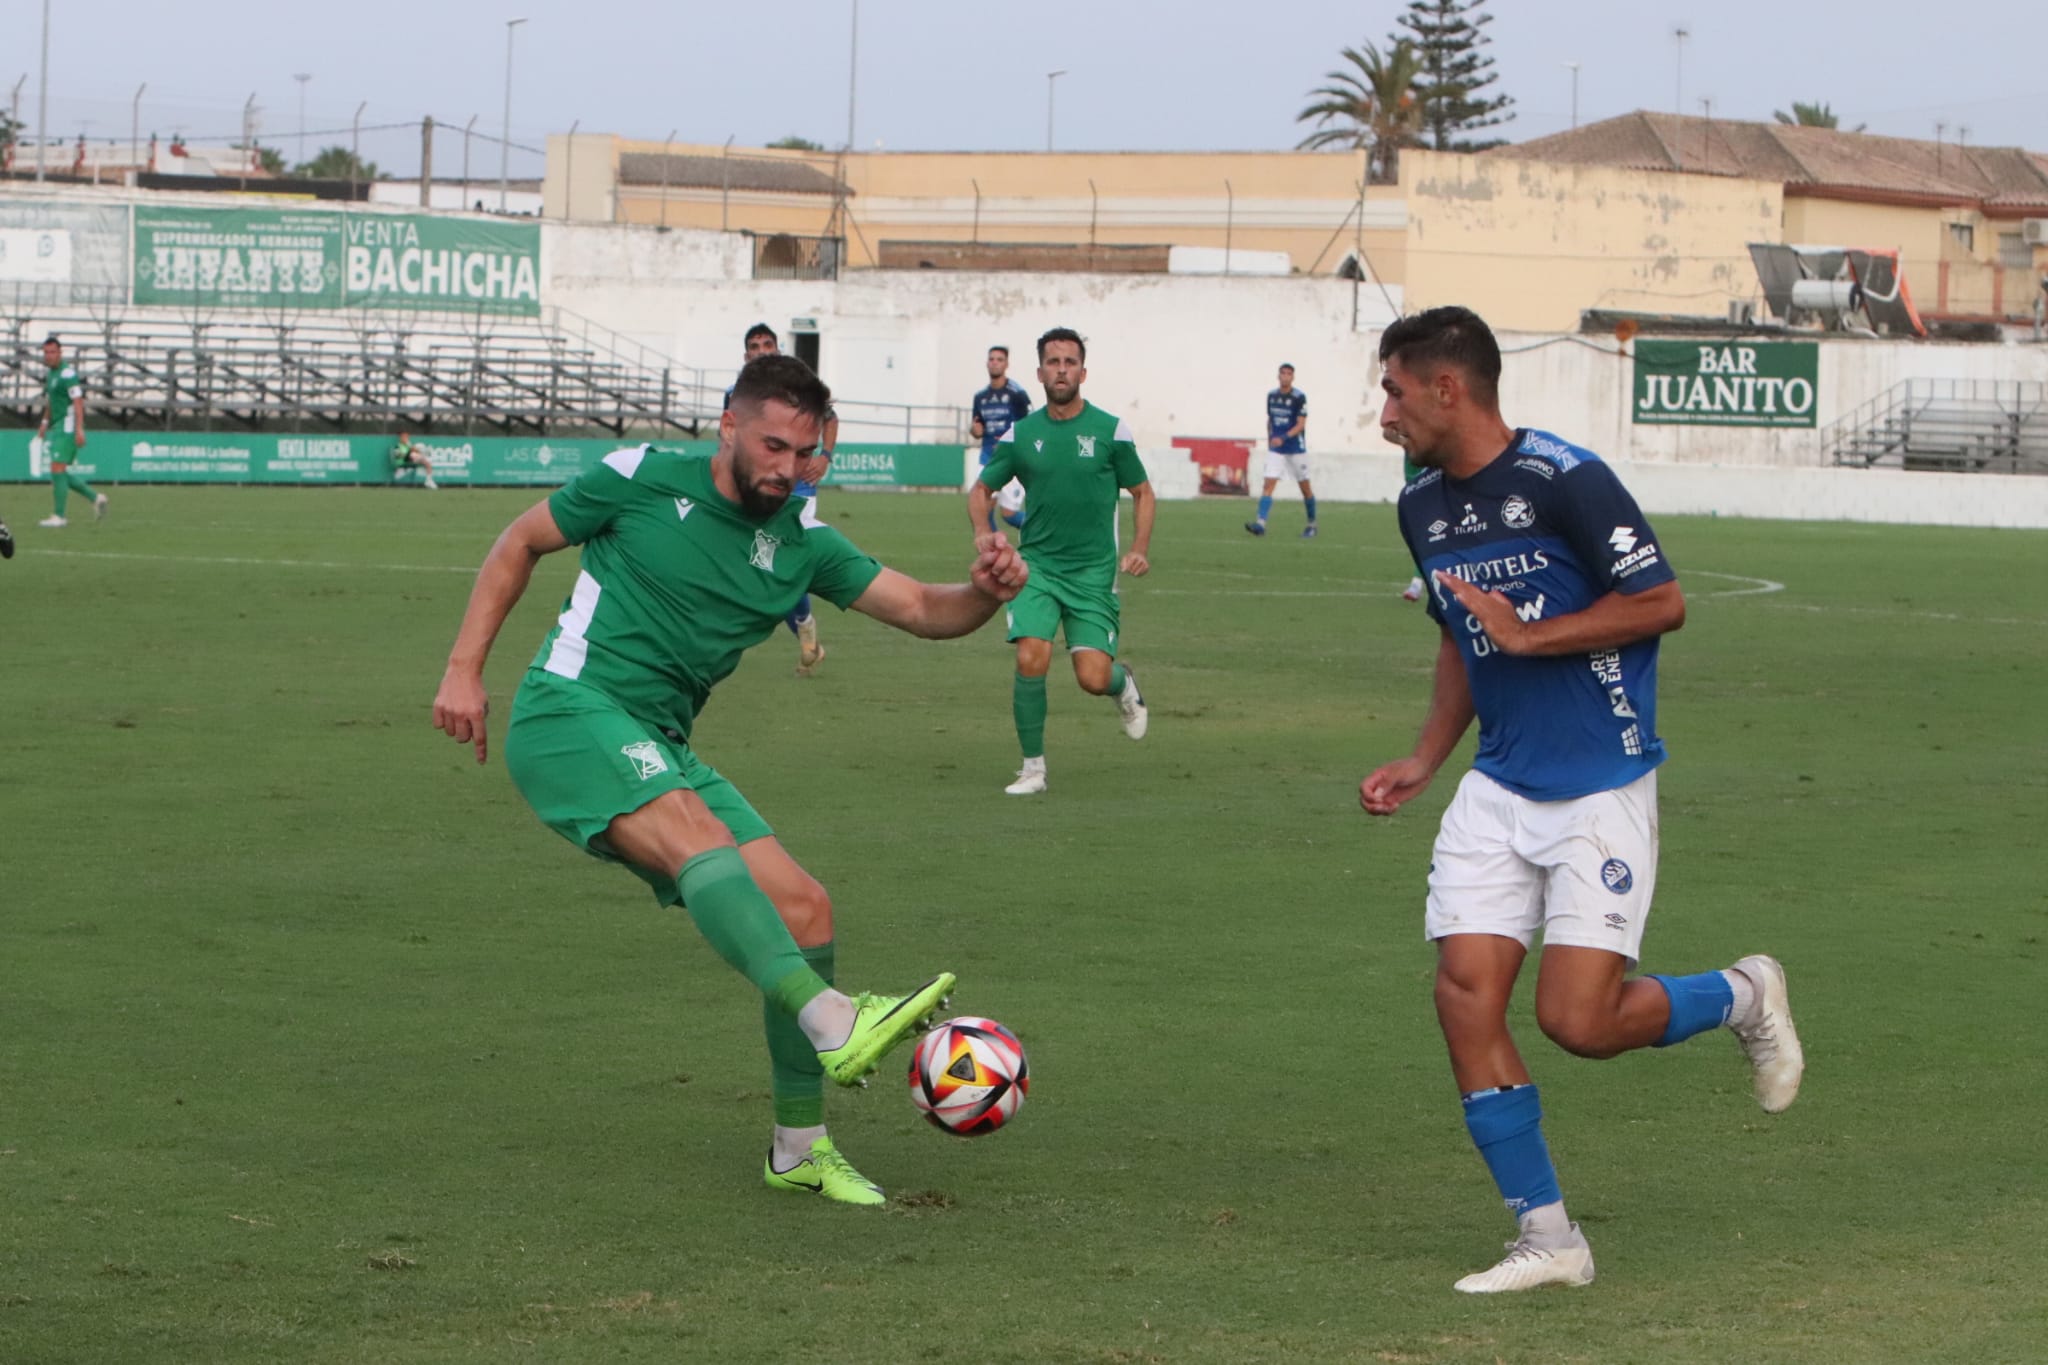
x: 63, y: 434
x: 408, y: 454
x: 1073, y: 460
x: 687, y: 562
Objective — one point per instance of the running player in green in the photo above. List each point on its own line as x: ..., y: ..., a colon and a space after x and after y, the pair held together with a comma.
x: 687, y: 562
x: 63, y: 433
x: 1072, y: 459
x: 409, y: 454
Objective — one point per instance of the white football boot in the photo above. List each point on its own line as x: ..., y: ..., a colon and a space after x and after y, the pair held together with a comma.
x: 1767, y: 1035
x: 1413, y: 592
x: 53, y: 522
x: 1030, y: 779
x: 99, y: 507
x: 1130, y: 705
x: 1528, y: 1266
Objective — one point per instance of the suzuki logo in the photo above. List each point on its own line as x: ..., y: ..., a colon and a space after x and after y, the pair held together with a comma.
x: 1623, y: 540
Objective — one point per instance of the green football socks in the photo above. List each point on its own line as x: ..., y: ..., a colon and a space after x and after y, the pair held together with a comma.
x: 740, y: 923
x: 1027, y: 704
x: 1118, y: 676
x: 62, y: 485
x: 796, y: 1078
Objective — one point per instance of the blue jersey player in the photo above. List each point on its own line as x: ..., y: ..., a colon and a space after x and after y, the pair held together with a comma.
x: 761, y: 340
x: 1286, y: 451
x: 1550, y: 591
x: 997, y: 408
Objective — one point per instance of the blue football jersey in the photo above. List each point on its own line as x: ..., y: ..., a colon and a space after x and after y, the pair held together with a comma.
x: 1548, y: 524
x: 998, y: 410
x: 1283, y: 410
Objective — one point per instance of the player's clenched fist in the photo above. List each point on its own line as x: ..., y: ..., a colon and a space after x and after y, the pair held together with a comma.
x: 999, y: 570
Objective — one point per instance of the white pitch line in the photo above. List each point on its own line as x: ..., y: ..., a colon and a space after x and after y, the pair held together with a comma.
x: 261, y: 563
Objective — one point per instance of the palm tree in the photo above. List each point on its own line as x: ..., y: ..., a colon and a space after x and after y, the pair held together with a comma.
x: 1812, y: 116
x: 1371, y: 106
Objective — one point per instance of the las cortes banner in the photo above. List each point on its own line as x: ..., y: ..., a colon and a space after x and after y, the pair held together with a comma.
x: 1726, y: 383
x: 267, y: 458
x: 285, y: 258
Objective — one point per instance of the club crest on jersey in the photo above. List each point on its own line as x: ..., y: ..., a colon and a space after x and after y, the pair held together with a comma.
x: 646, y: 758
x: 1087, y: 444
x: 1615, y: 876
x: 1517, y: 513
x: 763, y: 557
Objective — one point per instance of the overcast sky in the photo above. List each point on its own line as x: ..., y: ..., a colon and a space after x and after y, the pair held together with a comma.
x: 1141, y: 74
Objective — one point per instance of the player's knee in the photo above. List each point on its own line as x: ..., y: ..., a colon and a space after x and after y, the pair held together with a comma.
x: 1034, y: 657
x: 807, y: 910
x: 1092, y: 671
x: 1467, y: 1005
x: 1579, y: 1030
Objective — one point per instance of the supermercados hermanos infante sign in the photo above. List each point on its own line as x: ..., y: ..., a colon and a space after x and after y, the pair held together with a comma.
x: 271, y: 258
x: 1726, y: 383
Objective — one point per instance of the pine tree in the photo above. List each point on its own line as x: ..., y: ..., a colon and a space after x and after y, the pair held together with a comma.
x: 1448, y: 36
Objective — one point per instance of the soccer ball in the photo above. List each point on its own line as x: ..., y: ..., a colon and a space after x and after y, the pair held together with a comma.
x: 968, y: 1076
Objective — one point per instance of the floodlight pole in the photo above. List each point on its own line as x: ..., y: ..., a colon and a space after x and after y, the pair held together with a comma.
x: 1678, y: 36
x: 1050, y: 77
x: 135, y: 128
x: 1573, y: 67
x: 505, y: 145
x: 43, y: 97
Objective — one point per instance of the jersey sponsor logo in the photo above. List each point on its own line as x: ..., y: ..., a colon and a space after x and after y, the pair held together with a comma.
x: 1471, y: 523
x: 1615, y: 876
x: 1623, y: 540
x: 1087, y: 444
x: 763, y: 556
x: 1498, y: 571
x: 1542, y: 468
x: 1517, y: 513
x: 646, y: 758
x: 1642, y: 557
x: 1553, y: 450
x: 1530, y: 611
x: 1617, y: 701
x: 1632, y: 741
x: 683, y: 506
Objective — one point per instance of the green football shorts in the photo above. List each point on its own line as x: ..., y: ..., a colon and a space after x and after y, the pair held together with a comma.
x: 59, y: 447
x: 1050, y: 604
x: 581, y: 762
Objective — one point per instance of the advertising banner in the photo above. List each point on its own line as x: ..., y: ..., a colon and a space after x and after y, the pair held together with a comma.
x: 269, y: 458
x: 1726, y: 383
x: 63, y: 254
x: 291, y: 258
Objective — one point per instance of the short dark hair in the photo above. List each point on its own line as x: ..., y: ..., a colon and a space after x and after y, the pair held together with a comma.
x: 1285, y: 366
x: 1062, y: 334
x: 1453, y: 336
x: 51, y: 340
x: 999, y: 347
x: 783, y: 379
x: 760, y: 329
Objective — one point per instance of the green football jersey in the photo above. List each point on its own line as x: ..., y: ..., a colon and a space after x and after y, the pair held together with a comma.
x: 678, y: 581
x: 61, y: 387
x: 1072, y: 472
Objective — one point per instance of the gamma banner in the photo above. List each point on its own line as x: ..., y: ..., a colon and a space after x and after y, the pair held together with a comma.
x: 285, y: 258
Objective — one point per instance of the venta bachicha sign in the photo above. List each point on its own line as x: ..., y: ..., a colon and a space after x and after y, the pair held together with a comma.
x: 1726, y: 383
x: 279, y: 258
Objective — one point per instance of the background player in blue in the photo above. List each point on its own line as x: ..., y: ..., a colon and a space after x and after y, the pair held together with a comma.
x: 997, y: 408
x: 1286, y: 451
x: 761, y: 340
x: 1551, y: 591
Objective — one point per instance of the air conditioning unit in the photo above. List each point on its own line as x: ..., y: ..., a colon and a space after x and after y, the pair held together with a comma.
x: 1741, y: 313
x: 2034, y: 231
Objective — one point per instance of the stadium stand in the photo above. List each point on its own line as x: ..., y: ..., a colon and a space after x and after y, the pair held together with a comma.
x: 1959, y: 425
x: 448, y: 373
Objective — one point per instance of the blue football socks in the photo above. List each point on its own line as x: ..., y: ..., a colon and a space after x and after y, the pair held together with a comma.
x: 1310, y: 505
x: 1698, y: 1003
x: 1507, y: 1127
x: 1265, y: 508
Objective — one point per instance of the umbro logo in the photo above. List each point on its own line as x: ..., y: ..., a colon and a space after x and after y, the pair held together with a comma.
x: 1623, y: 540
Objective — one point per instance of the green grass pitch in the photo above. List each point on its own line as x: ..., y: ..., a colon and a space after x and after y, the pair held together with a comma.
x: 315, y: 1046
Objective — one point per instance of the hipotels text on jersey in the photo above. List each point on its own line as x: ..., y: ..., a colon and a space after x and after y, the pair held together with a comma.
x: 1496, y: 570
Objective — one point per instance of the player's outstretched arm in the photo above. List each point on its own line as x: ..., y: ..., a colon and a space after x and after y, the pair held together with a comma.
x: 942, y: 611
x: 980, y: 501
x: 1393, y: 785
x: 461, y: 707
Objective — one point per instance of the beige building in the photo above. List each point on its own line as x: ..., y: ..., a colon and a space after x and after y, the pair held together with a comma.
x: 1970, y: 223
x: 1647, y: 212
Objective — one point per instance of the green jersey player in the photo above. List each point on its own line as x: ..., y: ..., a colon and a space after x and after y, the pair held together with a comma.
x: 1073, y: 460
x: 63, y: 434
x: 687, y: 562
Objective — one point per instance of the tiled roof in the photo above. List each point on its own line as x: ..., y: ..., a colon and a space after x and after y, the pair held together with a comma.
x: 751, y: 173
x: 1796, y: 156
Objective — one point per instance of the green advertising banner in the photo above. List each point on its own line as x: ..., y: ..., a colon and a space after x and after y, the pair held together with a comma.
x: 220, y: 457
x: 1726, y: 383
x: 287, y: 258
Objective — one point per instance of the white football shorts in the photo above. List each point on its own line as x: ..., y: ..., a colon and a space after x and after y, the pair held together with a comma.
x: 1280, y: 466
x: 1581, y: 871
